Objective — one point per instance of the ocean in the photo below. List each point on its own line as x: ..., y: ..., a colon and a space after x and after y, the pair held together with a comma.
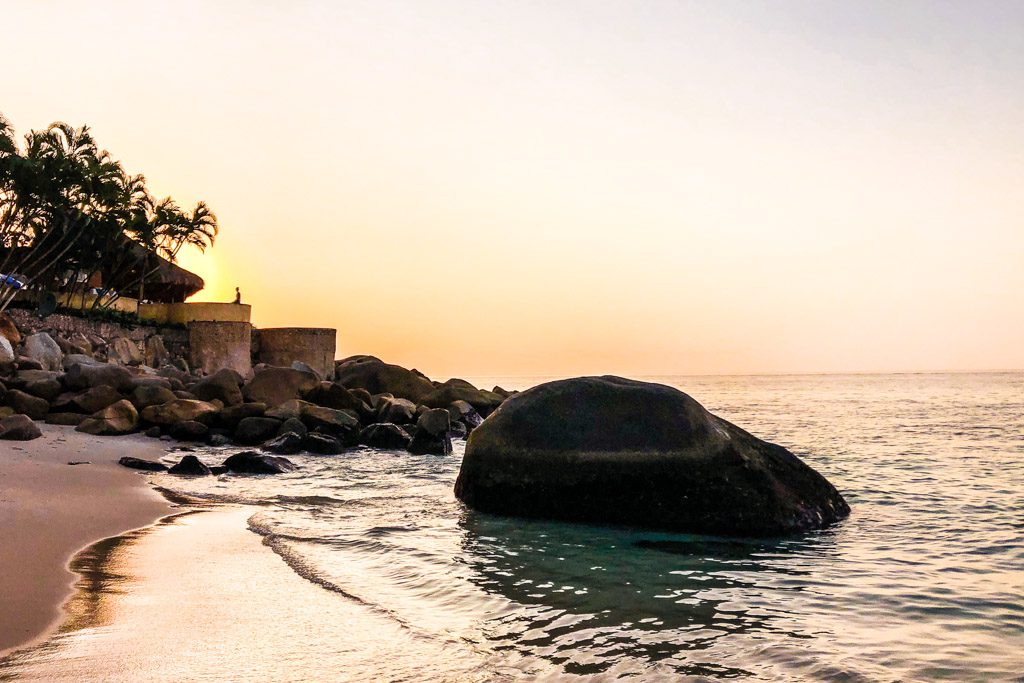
x: 924, y: 580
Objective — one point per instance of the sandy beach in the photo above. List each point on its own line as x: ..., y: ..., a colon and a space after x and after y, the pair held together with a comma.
x: 50, y: 510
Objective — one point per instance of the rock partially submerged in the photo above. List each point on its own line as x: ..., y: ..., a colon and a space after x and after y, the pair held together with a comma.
x: 251, y: 462
x: 141, y: 464
x: 617, y: 451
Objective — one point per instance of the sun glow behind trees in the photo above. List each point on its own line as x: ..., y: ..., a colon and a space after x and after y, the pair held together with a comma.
x: 581, y: 187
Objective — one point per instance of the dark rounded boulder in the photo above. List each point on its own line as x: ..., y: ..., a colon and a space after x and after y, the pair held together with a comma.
x: 377, y: 377
x: 190, y: 465
x: 609, y: 450
x: 18, y: 428
x: 322, y: 444
x: 251, y: 462
x: 141, y: 464
x: 255, y: 430
x: 189, y: 430
x: 288, y: 443
x: 384, y: 435
x: 33, y: 406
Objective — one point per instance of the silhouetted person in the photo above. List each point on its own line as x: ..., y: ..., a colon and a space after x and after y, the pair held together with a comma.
x: 238, y: 296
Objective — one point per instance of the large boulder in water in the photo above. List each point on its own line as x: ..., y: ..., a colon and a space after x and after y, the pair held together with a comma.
x: 250, y: 462
x: 617, y: 451
x: 378, y: 377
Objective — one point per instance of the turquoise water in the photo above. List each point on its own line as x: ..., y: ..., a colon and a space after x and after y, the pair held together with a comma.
x: 924, y: 581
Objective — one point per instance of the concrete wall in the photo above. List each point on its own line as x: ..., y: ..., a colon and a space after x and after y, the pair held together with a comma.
x: 218, y: 344
x: 311, y: 345
x: 185, y: 313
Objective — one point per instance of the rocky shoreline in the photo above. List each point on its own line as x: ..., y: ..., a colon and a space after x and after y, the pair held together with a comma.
x: 106, y: 389
x: 603, y: 450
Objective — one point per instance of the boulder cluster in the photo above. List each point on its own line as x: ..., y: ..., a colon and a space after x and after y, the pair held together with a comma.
x: 282, y: 410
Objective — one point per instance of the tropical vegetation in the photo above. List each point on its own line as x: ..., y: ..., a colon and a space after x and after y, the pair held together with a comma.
x: 69, y: 211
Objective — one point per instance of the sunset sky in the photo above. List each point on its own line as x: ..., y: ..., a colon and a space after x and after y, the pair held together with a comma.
x: 552, y: 188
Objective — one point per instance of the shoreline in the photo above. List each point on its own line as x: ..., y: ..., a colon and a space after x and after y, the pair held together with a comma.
x: 51, y: 511
x: 126, y: 620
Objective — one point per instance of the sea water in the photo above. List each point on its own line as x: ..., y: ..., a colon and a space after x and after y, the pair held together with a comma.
x: 924, y: 581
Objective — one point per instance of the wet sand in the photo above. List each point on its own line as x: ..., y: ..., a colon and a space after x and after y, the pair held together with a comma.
x: 200, y: 597
x: 50, y: 510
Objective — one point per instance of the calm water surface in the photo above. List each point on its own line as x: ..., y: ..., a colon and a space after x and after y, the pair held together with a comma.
x: 924, y: 581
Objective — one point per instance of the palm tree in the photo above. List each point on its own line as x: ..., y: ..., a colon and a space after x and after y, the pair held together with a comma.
x: 68, y: 209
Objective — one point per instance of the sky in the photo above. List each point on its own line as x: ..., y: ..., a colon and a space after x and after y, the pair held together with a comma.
x: 557, y: 188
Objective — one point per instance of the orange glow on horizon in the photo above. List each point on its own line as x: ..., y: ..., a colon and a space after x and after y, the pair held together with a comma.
x: 552, y: 190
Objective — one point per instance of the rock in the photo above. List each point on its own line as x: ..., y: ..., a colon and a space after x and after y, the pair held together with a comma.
x: 149, y: 380
x: 190, y: 430
x: 146, y: 395
x: 217, y: 439
x: 6, y: 351
x: 88, y: 401
x: 190, y: 465
x: 458, y: 431
x: 80, y: 359
x: 140, y: 464
x: 337, y: 422
x: 251, y: 462
x: 293, y: 424
x: 333, y: 395
x: 124, y: 352
x: 466, y: 414
x: 225, y: 384
x: 180, y: 410
x: 154, y: 432
x: 291, y: 409
x: 172, y: 373
x: 616, y: 451
x: 396, y: 410
x: 484, y: 402
x: 117, y: 418
x: 378, y: 377
x: 41, y: 347
x: 252, y: 431
x: 84, y: 376
x: 363, y: 395
x: 66, y: 419
x: 304, y: 367
x: 322, y: 444
x: 25, y: 363
x: 48, y: 389
x: 232, y: 415
x: 18, y: 428
x: 8, y: 330
x: 288, y: 443
x: 155, y: 353
x: 384, y: 435
x: 33, y: 406
x: 425, y: 443
x: 274, y: 386
x: 434, y: 421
